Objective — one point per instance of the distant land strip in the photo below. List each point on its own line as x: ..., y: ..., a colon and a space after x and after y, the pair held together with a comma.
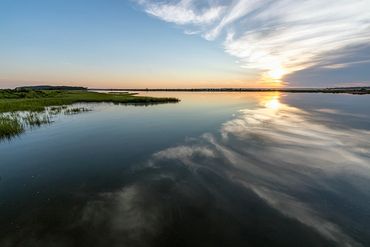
x: 348, y: 90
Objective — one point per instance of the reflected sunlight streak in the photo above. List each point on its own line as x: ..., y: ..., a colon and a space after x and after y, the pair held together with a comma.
x: 273, y: 104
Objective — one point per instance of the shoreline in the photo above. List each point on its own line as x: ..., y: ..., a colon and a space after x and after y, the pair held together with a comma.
x: 352, y: 90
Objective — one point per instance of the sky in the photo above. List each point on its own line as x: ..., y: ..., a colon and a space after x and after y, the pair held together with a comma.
x: 185, y: 43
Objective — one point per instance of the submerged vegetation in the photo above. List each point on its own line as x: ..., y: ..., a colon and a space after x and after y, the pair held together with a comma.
x: 37, y: 100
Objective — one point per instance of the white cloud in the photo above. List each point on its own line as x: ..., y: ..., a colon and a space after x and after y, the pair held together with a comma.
x: 182, y: 12
x: 279, y: 37
x: 238, y: 10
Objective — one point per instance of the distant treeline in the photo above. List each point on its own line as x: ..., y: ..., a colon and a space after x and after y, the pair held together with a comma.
x: 350, y: 90
x: 65, y: 88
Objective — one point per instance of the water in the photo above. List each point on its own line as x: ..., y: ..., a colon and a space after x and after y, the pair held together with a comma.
x: 217, y: 169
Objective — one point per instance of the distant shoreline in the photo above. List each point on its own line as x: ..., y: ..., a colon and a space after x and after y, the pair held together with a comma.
x: 347, y: 90
x: 334, y: 90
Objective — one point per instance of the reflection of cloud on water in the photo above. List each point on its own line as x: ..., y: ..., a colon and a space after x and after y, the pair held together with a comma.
x: 286, y: 155
x: 129, y: 220
x: 279, y: 155
x: 304, y: 170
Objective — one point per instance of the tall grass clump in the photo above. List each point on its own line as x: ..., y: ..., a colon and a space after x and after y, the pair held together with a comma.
x: 55, y: 110
x: 36, y: 119
x: 10, y: 126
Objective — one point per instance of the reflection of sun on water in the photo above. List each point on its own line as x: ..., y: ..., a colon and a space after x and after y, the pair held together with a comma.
x: 273, y: 104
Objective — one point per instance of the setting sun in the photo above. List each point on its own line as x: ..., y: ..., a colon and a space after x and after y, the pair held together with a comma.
x: 276, y: 73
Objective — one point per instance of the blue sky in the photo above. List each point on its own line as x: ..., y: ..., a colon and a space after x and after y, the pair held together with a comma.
x: 211, y: 43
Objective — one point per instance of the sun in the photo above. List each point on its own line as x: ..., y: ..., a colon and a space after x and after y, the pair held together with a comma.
x: 276, y: 73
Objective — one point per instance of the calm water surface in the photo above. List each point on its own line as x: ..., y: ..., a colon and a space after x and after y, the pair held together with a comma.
x: 217, y: 169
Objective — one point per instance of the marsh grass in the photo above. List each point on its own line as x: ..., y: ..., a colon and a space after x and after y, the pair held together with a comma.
x: 38, y: 101
x: 15, y: 123
x: 32, y: 108
x: 76, y: 110
x: 34, y: 119
x: 55, y: 110
x: 10, y: 126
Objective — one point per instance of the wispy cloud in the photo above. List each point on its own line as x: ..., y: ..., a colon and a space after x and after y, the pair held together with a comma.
x: 182, y: 12
x: 274, y: 37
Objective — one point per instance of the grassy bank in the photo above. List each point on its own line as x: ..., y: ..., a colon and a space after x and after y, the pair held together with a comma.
x: 22, y: 109
x: 37, y: 100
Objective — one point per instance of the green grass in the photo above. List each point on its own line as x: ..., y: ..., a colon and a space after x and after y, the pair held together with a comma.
x: 10, y: 126
x: 34, y: 100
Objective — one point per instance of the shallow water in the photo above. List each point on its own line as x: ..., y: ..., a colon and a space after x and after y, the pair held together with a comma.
x: 217, y: 169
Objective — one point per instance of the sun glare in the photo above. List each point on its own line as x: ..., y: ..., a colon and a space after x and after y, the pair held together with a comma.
x: 276, y: 73
x: 273, y: 103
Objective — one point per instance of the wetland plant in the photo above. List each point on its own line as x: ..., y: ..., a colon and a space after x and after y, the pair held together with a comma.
x: 10, y: 126
x: 33, y: 119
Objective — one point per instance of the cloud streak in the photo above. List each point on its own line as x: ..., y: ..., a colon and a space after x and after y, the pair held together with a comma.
x: 182, y: 13
x: 275, y: 38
